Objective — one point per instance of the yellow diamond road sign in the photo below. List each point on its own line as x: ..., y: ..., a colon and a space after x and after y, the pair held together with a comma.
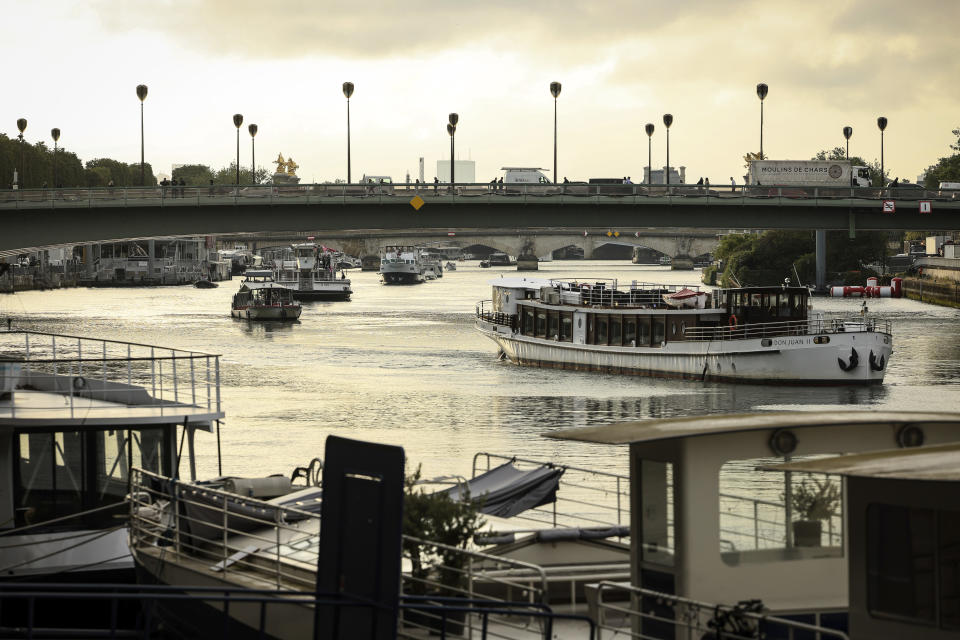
x: 417, y: 202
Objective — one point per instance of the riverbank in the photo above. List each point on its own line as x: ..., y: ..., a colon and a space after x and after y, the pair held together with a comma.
x: 37, y: 279
x: 945, y: 293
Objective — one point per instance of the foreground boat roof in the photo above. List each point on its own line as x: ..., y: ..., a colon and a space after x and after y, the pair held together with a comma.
x: 673, y: 428
x: 938, y: 463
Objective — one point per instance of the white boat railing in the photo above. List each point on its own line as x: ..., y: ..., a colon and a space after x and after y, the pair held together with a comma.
x: 276, y: 546
x: 625, y: 611
x: 108, y: 375
x: 812, y: 326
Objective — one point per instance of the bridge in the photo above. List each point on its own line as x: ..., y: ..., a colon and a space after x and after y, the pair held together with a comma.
x: 47, y: 217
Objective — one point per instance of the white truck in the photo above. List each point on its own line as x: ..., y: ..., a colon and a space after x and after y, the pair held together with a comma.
x: 817, y: 173
x: 514, y: 177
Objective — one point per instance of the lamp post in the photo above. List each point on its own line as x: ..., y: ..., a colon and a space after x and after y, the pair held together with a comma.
x: 55, y: 134
x: 253, y: 153
x: 847, y: 132
x: 237, y: 121
x: 667, y: 121
x: 882, y: 123
x: 348, y: 91
x: 649, y: 129
x: 142, y: 94
x: 452, y: 121
x: 22, y: 126
x: 555, y: 92
x: 762, y: 90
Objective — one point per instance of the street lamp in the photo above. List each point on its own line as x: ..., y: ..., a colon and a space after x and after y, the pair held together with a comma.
x: 55, y: 134
x: 253, y: 153
x: 22, y: 126
x: 847, y: 132
x: 142, y: 94
x: 649, y: 129
x: 882, y: 123
x: 237, y: 121
x: 452, y: 121
x: 762, y: 90
x: 555, y: 92
x: 667, y: 121
x: 348, y: 91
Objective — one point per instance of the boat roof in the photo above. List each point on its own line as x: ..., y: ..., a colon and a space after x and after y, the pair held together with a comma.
x: 258, y: 273
x: 519, y: 282
x: 675, y: 428
x: 938, y: 463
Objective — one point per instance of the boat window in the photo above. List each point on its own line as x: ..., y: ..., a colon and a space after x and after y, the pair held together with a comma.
x: 771, y: 304
x: 769, y: 516
x: 643, y: 331
x: 528, y: 321
x: 616, y: 323
x: 566, y: 326
x: 656, y: 507
x: 602, y: 326
x: 62, y: 473
x: 630, y: 331
x: 901, y: 562
x: 756, y: 300
x: 591, y: 329
x: 785, y: 305
x: 799, y: 305
x: 541, y: 330
x: 659, y: 331
x: 553, y: 324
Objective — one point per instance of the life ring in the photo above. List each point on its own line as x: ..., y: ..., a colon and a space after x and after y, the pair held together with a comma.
x: 733, y: 321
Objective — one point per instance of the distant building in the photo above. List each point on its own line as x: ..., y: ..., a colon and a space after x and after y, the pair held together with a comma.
x: 658, y: 176
x: 464, y: 171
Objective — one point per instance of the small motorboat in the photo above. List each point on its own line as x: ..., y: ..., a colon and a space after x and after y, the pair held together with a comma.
x: 450, y: 266
x: 686, y: 299
x: 484, y: 264
x: 205, y: 284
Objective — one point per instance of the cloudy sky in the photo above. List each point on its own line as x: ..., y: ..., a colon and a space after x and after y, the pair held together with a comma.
x: 75, y: 65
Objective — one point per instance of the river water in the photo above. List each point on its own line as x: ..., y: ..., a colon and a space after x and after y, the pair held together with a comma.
x: 403, y: 365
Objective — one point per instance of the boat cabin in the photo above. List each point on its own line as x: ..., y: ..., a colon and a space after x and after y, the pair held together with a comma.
x: 76, y: 415
x: 708, y: 526
x: 904, y: 538
x: 750, y: 305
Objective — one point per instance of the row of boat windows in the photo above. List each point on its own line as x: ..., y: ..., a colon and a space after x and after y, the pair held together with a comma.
x: 601, y: 329
x: 783, y: 304
x: 273, y: 295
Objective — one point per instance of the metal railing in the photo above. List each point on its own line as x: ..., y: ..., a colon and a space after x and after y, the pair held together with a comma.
x: 585, y: 497
x: 207, y: 195
x: 624, y: 611
x: 766, y: 526
x: 811, y: 326
x: 277, y: 547
x: 127, y: 375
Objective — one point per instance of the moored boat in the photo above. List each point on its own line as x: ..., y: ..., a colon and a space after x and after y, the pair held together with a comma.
x: 750, y: 334
x: 261, y: 298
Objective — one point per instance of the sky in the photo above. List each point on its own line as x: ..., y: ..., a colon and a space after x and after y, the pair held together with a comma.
x: 75, y: 65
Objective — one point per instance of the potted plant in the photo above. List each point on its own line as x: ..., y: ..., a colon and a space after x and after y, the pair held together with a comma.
x: 813, y: 500
x: 429, y: 519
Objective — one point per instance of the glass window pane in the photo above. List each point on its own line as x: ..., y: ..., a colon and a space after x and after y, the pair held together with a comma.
x: 553, y: 330
x: 643, y: 331
x: 949, y: 545
x: 601, y: 330
x: 630, y: 331
x: 615, y: 333
x: 566, y: 327
x: 900, y: 561
x: 656, y: 495
x: 659, y: 331
x: 541, y: 331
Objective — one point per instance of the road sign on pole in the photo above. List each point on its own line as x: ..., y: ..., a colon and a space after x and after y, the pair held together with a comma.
x: 925, y: 206
x: 889, y: 206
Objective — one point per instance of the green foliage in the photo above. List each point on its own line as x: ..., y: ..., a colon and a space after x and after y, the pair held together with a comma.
x: 193, y: 174
x: 840, y: 153
x: 946, y: 170
x: 815, y: 499
x: 228, y: 175
x: 956, y: 133
x: 436, y: 518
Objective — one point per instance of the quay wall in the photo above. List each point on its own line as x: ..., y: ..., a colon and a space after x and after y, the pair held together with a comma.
x: 37, y: 279
x: 942, y: 292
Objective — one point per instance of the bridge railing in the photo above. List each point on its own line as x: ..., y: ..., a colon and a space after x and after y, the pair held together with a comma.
x: 219, y: 195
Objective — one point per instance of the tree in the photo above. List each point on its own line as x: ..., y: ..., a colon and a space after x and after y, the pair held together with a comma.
x: 947, y: 169
x: 956, y: 132
x: 839, y: 153
x: 193, y: 174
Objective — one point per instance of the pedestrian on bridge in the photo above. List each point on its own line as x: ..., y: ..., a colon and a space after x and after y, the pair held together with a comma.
x: 733, y: 185
x: 436, y: 183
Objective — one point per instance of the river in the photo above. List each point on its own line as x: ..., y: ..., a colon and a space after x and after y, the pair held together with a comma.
x: 403, y: 365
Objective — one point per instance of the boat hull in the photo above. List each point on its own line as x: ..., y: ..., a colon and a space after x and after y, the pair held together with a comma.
x: 286, y: 312
x: 787, y: 359
x: 401, y: 277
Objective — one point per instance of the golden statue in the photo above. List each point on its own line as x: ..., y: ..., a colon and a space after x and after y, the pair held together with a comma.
x: 281, y: 165
x: 292, y: 167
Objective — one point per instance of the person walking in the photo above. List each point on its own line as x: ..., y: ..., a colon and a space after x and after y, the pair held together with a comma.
x: 436, y: 184
x: 733, y: 185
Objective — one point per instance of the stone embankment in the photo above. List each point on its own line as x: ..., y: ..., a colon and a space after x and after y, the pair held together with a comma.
x: 37, y: 279
x: 943, y: 292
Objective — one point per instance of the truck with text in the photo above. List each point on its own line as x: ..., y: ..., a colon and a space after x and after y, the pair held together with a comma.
x: 807, y: 173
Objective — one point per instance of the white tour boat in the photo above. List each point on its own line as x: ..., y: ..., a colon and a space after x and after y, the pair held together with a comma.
x: 402, y: 265
x: 262, y: 298
x: 751, y: 334
x: 312, y: 274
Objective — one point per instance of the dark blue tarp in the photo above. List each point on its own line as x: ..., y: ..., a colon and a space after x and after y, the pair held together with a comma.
x: 507, y: 491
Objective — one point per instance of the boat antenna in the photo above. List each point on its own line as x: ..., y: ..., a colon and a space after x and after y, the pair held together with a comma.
x: 799, y: 281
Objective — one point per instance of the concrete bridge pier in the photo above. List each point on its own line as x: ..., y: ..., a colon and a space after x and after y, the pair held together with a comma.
x: 821, y: 236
